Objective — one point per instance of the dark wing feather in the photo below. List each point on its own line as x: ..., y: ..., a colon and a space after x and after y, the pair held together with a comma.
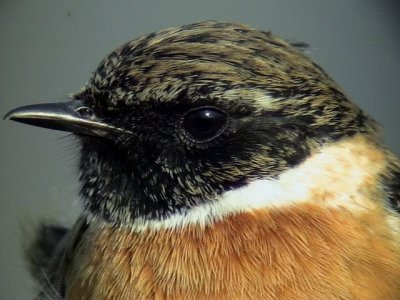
x: 50, y: 256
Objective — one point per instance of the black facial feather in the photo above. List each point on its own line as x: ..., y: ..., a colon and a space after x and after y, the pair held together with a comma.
x: 394, y: 192
x: 279, y: 107
x: 391, y: 183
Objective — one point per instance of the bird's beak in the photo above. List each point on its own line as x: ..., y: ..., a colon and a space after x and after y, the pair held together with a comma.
x: 72, y: 116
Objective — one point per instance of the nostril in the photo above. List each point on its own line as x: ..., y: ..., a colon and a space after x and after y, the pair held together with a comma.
x: 85, y: 112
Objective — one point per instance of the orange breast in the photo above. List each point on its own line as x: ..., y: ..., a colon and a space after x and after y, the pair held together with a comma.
x: 301, y: 252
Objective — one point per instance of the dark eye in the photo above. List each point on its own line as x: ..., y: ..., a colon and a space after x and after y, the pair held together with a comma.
x: 204, y: 123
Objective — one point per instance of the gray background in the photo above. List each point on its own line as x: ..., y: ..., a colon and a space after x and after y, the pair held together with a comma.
x: 48, y: 49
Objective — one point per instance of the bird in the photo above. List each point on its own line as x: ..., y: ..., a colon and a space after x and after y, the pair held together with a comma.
x: 217, y: 161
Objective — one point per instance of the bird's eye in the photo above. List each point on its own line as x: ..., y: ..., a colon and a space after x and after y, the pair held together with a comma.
x: 204, y: 123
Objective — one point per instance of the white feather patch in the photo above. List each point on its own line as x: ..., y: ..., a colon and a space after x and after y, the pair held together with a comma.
x: 334, y: 177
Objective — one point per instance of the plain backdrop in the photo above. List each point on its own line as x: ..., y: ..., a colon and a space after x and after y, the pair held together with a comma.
x: 48, y: 49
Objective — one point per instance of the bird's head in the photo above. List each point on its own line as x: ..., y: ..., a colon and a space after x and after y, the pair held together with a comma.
x: 177, y: 120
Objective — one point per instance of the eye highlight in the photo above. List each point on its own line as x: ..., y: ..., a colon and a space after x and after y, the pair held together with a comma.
x: 204, y: 123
